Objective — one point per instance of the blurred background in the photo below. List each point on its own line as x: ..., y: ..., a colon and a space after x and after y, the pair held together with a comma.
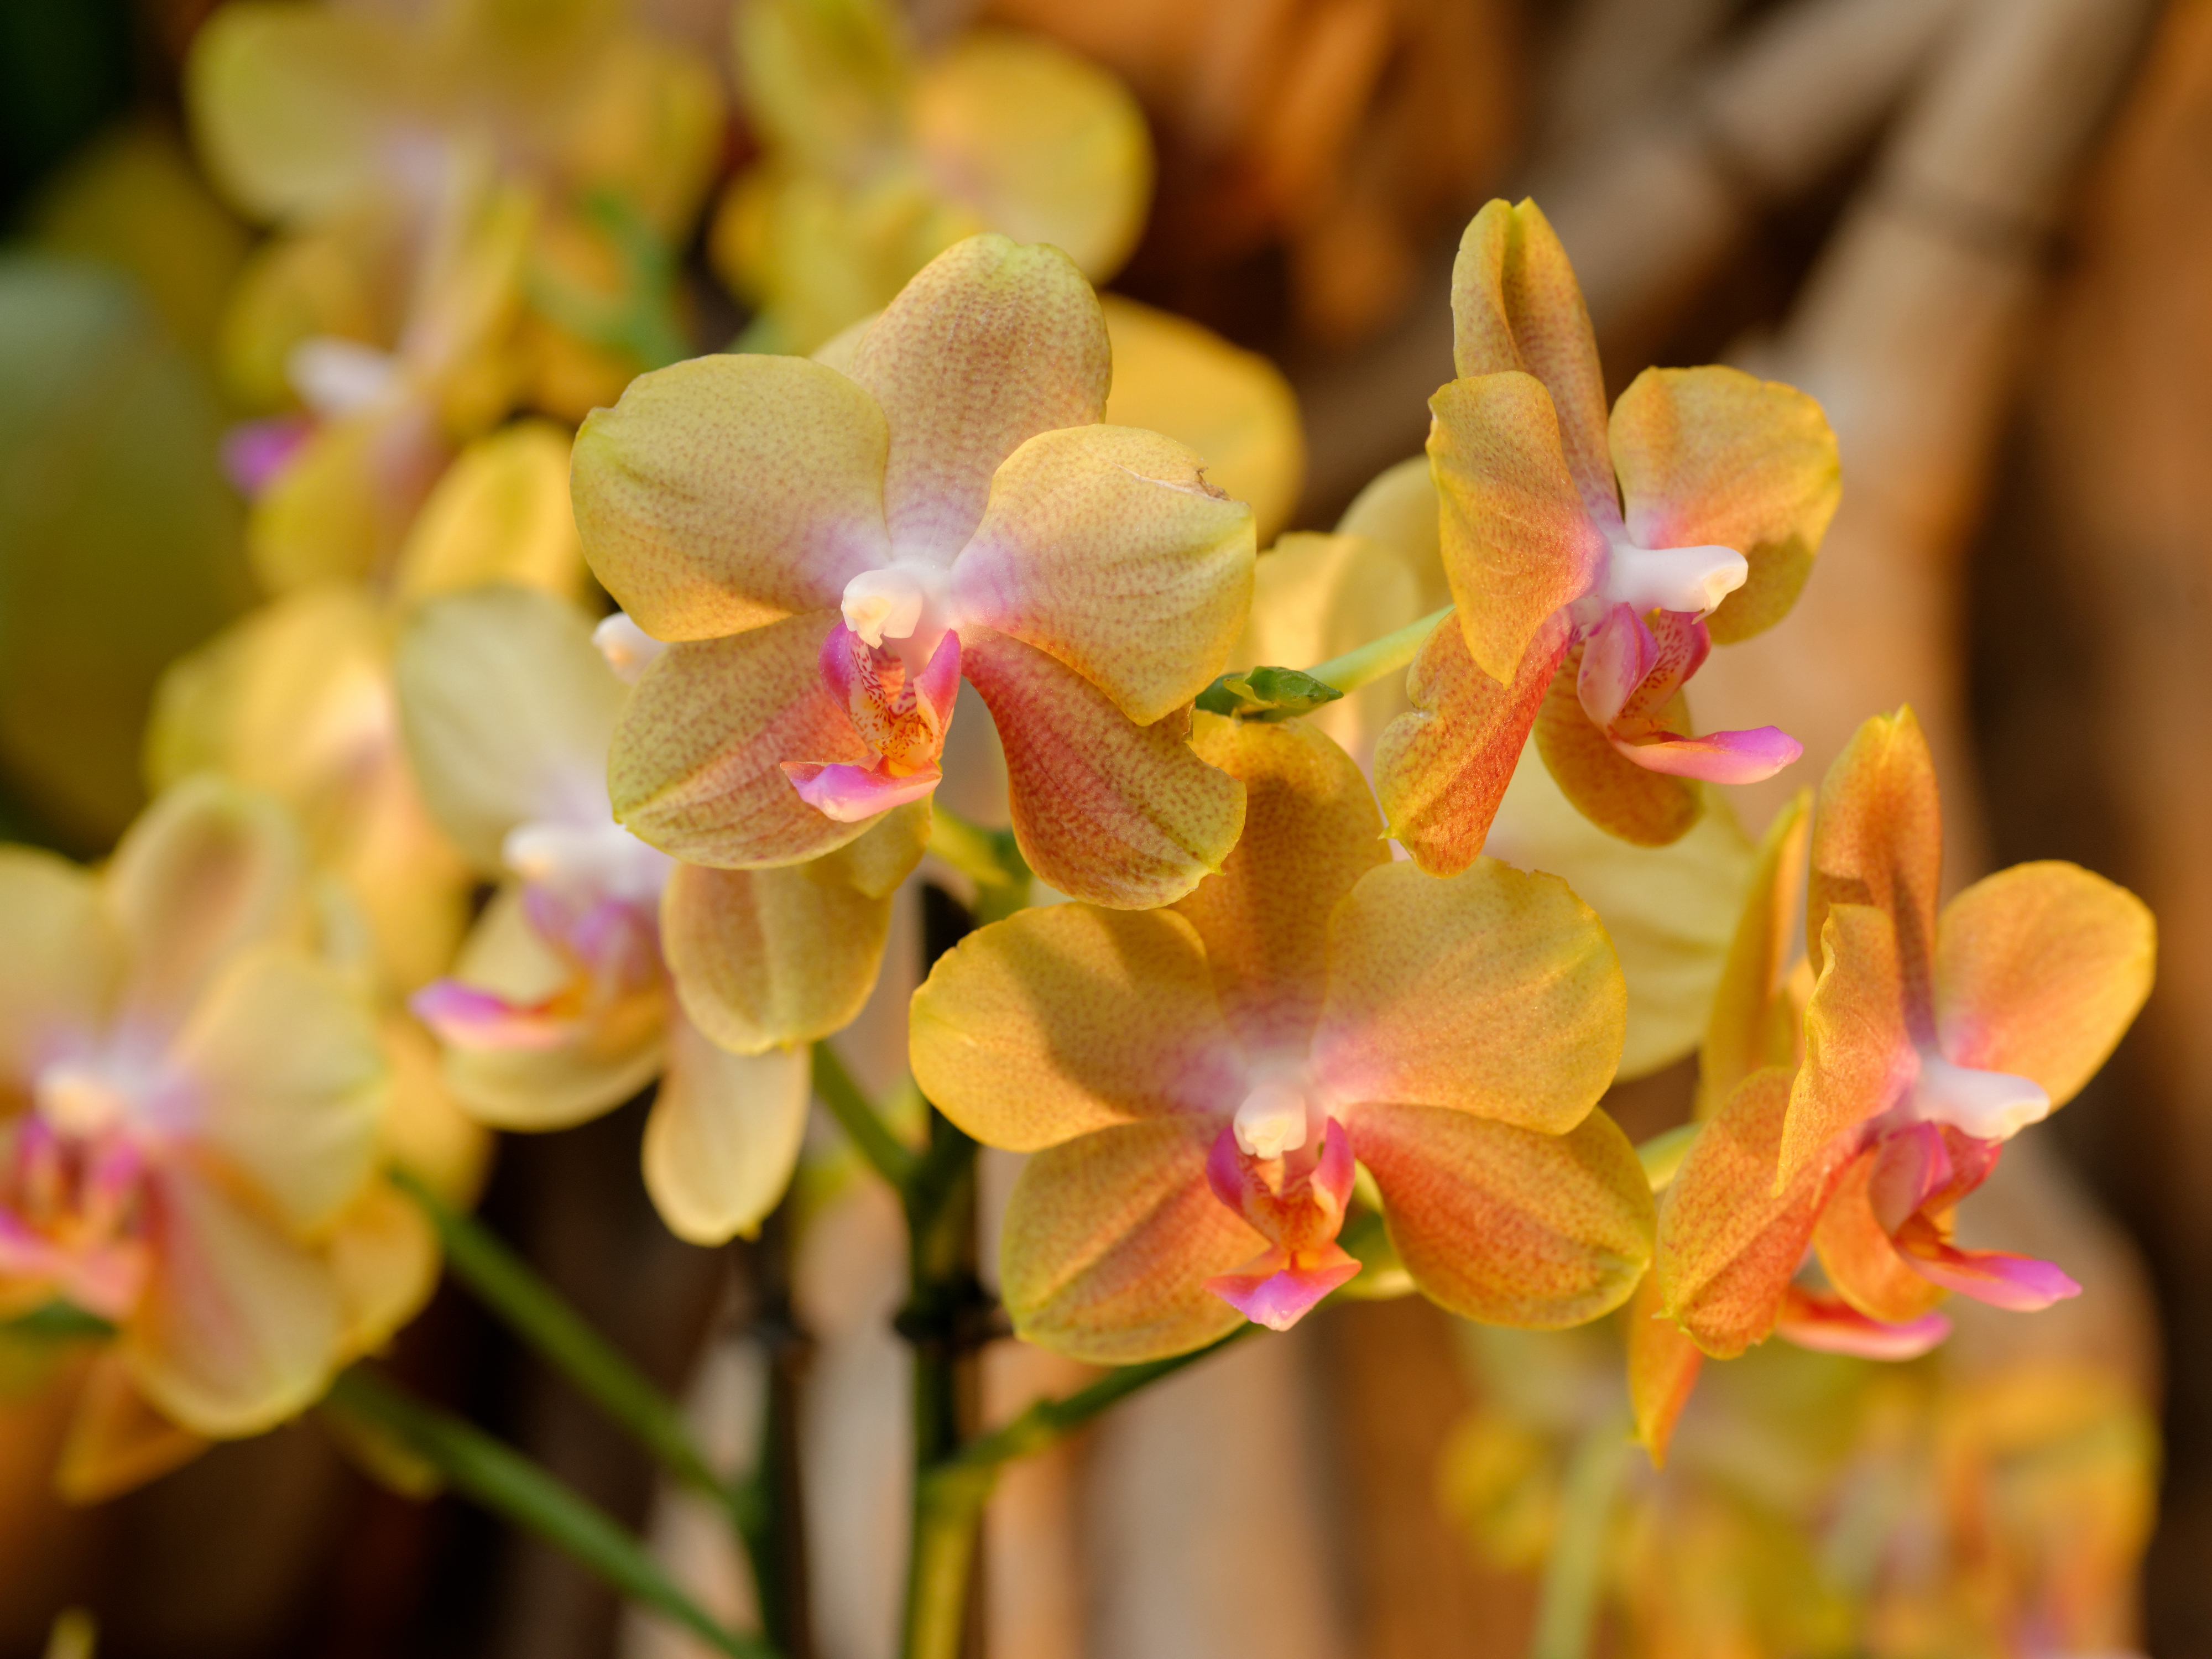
x: 1980, y: 231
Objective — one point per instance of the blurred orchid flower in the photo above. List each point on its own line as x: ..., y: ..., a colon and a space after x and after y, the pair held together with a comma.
x: 1928, y: 1041
x: 475, y: 207
x: 190, y: 1145
x: 1196, y: 1082
x: 830, y: 552
x: 1592, y: 564
x: 876, y: 159
x: 561, y: 1004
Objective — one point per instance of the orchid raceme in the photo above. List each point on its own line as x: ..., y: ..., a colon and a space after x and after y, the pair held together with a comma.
x: 830, y: 553
x: 1929, y: 1040
x: 1592, y: 564
x: 876, y: 159
x: 190, y: 1149
x: 562, y: 1004
x: 1196, y: 1083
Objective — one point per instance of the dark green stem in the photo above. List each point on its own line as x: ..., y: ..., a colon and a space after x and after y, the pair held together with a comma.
x: 512, y: 1486
x: 770, y: 1508
x: 887, y: 1155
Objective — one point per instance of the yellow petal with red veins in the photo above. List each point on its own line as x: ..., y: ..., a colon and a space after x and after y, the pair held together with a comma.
x: 206, y: 870
x: 1106, y: 547
x: 1663, y: 1365
x: 1495, y: 993
x: 290, y: 1072
x: 723, y: 1138
x: 1713, y: 457
x: 509, y: 709
x: 1043, y: 145
x: 59, y: 958
x: 1442, y: 770
x: 1104, y: 810
x: 991, y: 344
x: 1753, y: 1024
x: 1072, y: 1019
x: 1110, y: 1239
x: 1859, y: 1057
x: 1640, y: 806
x: 1728, y: 1244
x: 116, y: 1440
x: 696, y: 767
x: 728, y: 491
x: 239, y: 1327
x: 1517, y: 539
x: 2039, y: 970
x: 1230, y: 405
x: 767, y: 958
x: 1310, y: 832
x: 1506, y: 1225
x: 1878, y: 840
x: 1515, y: 305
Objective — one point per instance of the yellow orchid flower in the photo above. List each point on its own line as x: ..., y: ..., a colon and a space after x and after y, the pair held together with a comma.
x: 193, y: 1102
x: 832, y: 552
x: 601, y: 964
x: 875, y: 159
x: 1196, y: 1082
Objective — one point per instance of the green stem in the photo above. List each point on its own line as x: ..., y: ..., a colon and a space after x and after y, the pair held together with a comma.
x: 504, y: 1283
x: 887, y: 1155
x: 1567, y: 1605
x: 1371, y: 661
x: 512, y: 1486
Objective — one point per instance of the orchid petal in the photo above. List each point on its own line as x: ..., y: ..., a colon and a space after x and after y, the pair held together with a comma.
x: 1747, y: 756
x: 1729, y: 1243
x: 1495, y: 993
x: 768, y: 957
x: 1752, y: 1024
x: 1713, y: 456
x: 1663, y: 1365
x: 725, y: 492
x: 990, y: 344
x: 1109, y: 1240
x: 509, y: 709
x: 2019, y: 1283
x: 1442, y: 770
x: 289, y: 1069
x: 1103, y: 808
x: 239, y: 1327
x: 1505, y: 1225
x: 207, y: 870
x: 696, y: 768
x: 1060, y: 1021
x: 723, y: 1137
x: 1518, y: 543
x: 1230, y: 405
x: 384, y: 1255
x: 116, y: 1440
x: 1107, y: 548
x: 1827, y: 1325
x: 1045, y: 146
x: 1859, y: 1057
x: 2038, y: 970
x: 1878, y: 840
x: 1515, y: 305
x: 60, y: 960
x: 1274, y: 1290
x: 343, y: 506
x: 1310, y: 832
x: 1860, y: 1258
x: 500, y: 513
x: 1640, y: 806
x: 845, y: 793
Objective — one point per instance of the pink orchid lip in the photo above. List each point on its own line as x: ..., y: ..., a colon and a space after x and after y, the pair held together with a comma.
x: 468, y: 1016
x: 1618, y: 656
x: 255, y: 452
x: 2020, y: 1284
x: 1828, y: 1324
x: 850, y: 793
x: 1272, y: 1290
x: 1297, y: 1201
x: 1748, y: 756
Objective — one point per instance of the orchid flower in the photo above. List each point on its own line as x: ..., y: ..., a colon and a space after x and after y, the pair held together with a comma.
x: 1195, y: 1084
x: 455, y: 194
x: 876, y: 159
x: 829, y: 553
x: 1592, y: 564
x: 189, y: 1144
x: 561, y: 1004
x: 1929, y: 1040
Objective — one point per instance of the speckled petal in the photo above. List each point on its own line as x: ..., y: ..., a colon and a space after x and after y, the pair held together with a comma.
x: 1859, y: 1057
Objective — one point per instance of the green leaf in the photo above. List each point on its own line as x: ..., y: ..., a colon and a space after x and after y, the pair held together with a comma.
x: 1267, y: 693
